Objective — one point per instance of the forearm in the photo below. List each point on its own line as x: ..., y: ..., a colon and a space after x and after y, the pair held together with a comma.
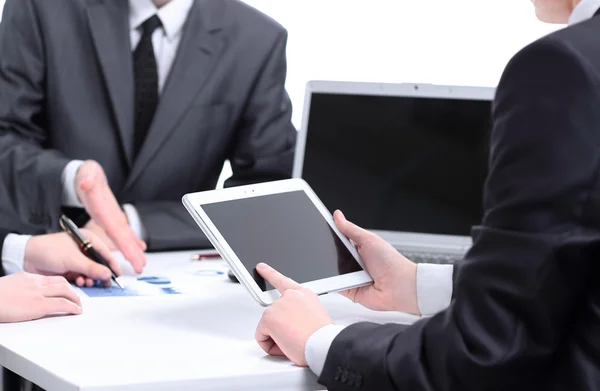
x: 434, y: 293
x: 169, y: 226
x: 263, y: 169
x: 31, y: 190
x: 496, y: 333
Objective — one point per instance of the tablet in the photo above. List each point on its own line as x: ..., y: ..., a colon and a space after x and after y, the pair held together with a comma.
x: 283, y: 224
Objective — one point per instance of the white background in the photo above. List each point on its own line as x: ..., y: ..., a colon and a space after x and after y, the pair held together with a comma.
x: 460, y: 42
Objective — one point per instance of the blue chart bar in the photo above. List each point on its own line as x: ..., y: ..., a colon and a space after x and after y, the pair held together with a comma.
x: 113, y: 291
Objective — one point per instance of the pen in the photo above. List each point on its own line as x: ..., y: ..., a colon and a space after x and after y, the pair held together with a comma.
x: 86, y: 247
x: 203, y: 257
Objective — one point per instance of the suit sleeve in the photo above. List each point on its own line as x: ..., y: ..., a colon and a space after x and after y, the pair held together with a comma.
x: 531, y: 257
x: 169, y: 226
x: 31, y: 174
x: 265, y: 140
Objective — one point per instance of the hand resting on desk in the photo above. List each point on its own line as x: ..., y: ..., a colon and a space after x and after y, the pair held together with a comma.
x: 28, y: 296
x: 54, y: 259
x: 288, y: 324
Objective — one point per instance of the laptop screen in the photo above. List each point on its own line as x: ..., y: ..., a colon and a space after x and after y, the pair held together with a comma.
x: 408, y: 164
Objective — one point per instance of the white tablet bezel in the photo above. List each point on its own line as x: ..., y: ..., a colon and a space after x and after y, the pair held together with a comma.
x: 194, y: 204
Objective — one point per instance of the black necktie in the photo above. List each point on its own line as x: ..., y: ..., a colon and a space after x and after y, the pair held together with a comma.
x: 146, y: 82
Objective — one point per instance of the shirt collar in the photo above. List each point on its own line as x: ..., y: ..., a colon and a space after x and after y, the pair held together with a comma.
x: 584, y: 10
x: 172, y: 15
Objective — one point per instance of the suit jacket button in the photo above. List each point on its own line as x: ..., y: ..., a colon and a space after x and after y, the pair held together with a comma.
x: 338, y: 374
x: 344, y: 377
x: 359, y: 381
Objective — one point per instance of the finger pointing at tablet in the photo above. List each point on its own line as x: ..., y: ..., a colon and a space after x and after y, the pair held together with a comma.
x: 278, y: 280
x: 286, y: 326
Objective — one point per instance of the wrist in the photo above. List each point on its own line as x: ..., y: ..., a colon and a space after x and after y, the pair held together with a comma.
x: 434, y: 287
x: 318, y: 345
x: 31, y: 254
x: 76, y: 181
x: 13, y: 253
x: 70, y: 173
x: 408, y: 300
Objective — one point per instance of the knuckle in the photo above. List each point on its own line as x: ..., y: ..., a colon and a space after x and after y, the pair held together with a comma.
x: 299, y: 293
x: 268, y: 314
x: 65, y: 303
x: 306, y: 291
x: 28, y: 277
x: 31, y: 276
x: 39, y: 282
x: 289, y: 294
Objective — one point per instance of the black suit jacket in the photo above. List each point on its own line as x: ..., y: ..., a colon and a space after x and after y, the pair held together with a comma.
x: 526, y: 310
x: 66, y: 92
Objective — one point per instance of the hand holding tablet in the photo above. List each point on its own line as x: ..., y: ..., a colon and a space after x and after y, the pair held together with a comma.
x: 282, y: 224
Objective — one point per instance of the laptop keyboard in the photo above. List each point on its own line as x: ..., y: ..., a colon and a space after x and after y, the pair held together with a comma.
x: 442, y: 259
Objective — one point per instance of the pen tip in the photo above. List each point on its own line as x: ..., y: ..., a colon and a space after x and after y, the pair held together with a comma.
x: 119, y: 283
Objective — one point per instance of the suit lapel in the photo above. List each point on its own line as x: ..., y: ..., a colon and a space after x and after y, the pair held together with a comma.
x: 200, y: 48
x: 109, y: 25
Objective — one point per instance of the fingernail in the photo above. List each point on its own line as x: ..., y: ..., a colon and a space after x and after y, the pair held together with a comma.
x: 342, y: 215
x: 262, y: 267
x: 79, y: 310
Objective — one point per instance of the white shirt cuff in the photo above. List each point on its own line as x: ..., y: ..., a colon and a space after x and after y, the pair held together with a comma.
x: 318, y: 345
x: 135, y: 222
x: 69, y: 174
x: 13, y: 253
x: 434, y: 287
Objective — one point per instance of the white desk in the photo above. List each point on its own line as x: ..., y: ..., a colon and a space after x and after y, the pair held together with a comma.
x: 172, y: 342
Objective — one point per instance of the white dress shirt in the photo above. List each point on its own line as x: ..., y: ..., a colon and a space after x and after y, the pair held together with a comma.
x: 166, y: 42
x: 584, y: 11
x: 434, y: 282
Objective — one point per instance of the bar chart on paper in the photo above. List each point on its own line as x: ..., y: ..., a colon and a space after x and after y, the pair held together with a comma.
x: 143, y: 286
x: 187, y: 278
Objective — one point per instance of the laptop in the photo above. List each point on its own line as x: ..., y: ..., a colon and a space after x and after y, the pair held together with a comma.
x: 406, y: 161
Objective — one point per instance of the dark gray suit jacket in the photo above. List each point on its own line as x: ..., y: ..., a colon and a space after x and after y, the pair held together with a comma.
x: 66, y: 92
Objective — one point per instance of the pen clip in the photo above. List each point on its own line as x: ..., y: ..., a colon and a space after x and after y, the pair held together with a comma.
x: 61, y: 222
x: 71, y: 229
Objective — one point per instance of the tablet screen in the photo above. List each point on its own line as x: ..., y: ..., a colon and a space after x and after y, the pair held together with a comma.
x: 285, y: 231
